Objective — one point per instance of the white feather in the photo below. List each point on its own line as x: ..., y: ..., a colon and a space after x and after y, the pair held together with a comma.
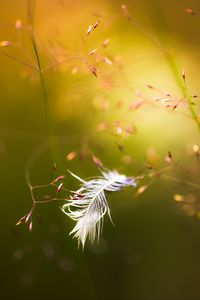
x: 89, y: 205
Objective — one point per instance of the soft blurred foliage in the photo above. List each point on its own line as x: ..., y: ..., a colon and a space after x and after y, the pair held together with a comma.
x: 124, y: 103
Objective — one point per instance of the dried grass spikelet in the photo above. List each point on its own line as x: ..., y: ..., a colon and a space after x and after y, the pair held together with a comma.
x: 5, y: 44
x: 88, y: 205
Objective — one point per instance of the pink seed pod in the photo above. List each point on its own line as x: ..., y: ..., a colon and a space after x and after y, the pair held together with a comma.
x: 105, y: 43
x: 97, y: 161
x: 20, y: 220
x: 59, y: 178
x: 5, y: 44
x: 60, y: 187
x: 183, y: 74
x: 18, y: 24
x: 30, y: 226
x: 71, y: 155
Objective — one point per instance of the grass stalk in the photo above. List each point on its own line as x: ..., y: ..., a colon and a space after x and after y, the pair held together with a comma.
x: 42, y: 80
x: 175, y: 68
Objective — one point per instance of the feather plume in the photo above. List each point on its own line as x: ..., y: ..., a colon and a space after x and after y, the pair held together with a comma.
x: 88, y: 205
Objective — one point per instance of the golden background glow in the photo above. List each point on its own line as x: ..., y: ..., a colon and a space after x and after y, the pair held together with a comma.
x: 104, y: 104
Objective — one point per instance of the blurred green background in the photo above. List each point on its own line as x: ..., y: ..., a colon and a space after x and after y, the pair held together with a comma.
x: 153, y: 250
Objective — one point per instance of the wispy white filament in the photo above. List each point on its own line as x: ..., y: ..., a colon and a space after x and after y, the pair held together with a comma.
x: 89, y: 205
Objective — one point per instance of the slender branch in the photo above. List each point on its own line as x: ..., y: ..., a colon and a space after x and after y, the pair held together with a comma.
x: 183, y: 87
x: 62, y: 62
x: 19, y: 60
x: 175, y: 179
x: 191, y: 106
x: 51, y: 200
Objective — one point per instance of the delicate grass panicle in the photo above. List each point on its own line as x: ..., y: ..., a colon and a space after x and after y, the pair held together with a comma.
x: 87, y: 205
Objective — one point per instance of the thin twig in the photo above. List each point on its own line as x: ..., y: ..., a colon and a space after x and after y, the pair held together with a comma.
x: 191, y: 106
x: 62, y: 62
x: 175, y: 179
x: 19, y: 61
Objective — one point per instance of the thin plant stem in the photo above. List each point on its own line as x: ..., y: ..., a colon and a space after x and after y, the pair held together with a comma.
x: 19, y: 60
x: 62, y: 62
x: 191, y: 106
x: 42, y: 80
x: 182, y: 84
x: 175, y: 179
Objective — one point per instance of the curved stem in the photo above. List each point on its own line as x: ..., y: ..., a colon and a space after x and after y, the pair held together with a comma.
x: 191, y: 108
x: 182, y: 84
